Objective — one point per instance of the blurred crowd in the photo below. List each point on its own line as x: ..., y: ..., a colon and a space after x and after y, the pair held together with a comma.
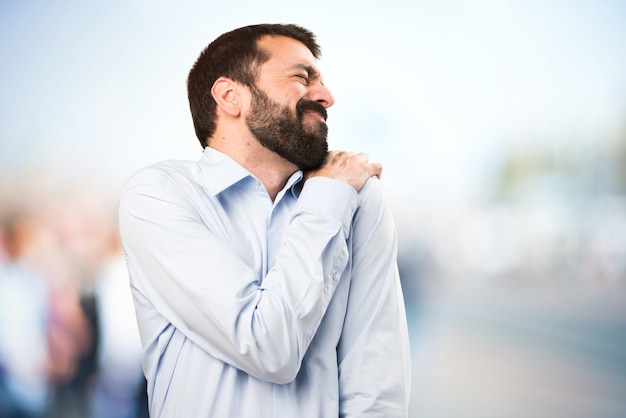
x: 69, y: 345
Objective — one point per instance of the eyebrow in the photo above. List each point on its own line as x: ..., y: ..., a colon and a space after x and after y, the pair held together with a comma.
x: 311, y: 71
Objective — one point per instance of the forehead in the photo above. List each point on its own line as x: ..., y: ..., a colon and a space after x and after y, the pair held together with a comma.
x: 286, y: 53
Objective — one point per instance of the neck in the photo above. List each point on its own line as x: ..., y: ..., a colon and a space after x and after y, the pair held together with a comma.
x: 267, y: 166
x: 272, y: 172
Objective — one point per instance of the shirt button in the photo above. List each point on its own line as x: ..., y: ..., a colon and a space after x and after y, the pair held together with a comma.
x: 335, y: 276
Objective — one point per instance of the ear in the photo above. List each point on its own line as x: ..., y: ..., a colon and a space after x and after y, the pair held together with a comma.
x: 226, y: 94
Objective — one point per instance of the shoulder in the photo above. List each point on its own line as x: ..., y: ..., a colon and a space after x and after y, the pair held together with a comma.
x: 374, y: 215
x: 161, y: 187
x: 158, y: 175
x: 373, y: 195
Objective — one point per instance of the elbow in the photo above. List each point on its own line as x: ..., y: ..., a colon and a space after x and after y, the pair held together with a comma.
x: 278, y: 346
x: 282, y: 375
x: 280, y: 369
x: 276, y: 363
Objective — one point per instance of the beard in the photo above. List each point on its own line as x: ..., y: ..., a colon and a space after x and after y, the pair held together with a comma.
x: 284, y: 131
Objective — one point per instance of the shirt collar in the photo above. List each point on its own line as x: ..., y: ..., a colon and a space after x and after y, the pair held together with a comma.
x: 219, y: 172
x: 294, y: 184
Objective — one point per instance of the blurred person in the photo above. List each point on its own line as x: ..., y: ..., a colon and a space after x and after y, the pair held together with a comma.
x: 44, y: 330
x: 71, y: 346
x: 24, y: 316
x: 119, y: 387
x: 264, y: 276
x: 77, y: 228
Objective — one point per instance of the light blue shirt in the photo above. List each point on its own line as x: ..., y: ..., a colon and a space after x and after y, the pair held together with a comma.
x: 249, y: 307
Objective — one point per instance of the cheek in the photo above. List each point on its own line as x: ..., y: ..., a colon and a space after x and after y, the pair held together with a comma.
x: 290, y: 98
x: 291, y: 94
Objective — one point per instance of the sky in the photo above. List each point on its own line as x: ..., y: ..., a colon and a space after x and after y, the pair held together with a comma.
x: 438, y: 91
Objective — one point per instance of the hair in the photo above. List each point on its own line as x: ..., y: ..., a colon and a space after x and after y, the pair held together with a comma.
x: 235, y: 55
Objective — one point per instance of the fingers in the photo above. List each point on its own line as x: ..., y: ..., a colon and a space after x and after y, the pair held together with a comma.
x: 373, y: 168
x: 350, y: 167
x: 376, y: 170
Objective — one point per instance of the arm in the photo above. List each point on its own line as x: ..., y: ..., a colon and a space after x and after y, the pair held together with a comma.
x: 262, y: 326
x: 373, y: 353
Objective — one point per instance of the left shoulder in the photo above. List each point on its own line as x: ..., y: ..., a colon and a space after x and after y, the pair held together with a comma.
x: 374, y: 207
x: 373, y: 193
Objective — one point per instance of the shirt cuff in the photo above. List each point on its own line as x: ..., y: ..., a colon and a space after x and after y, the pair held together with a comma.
x: 330, y: 197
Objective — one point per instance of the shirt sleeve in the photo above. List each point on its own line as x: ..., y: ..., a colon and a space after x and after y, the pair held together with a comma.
x: 262, y: 326
x: 373, y: 353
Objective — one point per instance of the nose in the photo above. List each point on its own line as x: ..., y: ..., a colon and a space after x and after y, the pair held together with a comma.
x: 321, y: 94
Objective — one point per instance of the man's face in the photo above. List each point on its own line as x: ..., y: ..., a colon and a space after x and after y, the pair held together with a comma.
x: 285, y: 132
x: 288, y: 104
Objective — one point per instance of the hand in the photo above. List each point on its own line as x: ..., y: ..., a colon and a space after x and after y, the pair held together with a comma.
x: 351, y: 168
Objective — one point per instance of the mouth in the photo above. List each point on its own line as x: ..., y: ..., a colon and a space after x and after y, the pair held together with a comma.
x: 309, y: 107
x: 315, y: 114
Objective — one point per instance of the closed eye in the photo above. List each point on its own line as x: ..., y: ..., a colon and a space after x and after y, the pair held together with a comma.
x: 304, y: 78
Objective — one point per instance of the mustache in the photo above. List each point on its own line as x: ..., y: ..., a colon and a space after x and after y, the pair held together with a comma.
x: 305, y: 104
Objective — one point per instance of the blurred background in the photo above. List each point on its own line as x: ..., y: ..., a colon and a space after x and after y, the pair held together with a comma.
x: 502, y: 129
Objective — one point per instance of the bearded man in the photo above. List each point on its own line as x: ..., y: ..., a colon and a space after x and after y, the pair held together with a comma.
x: 264, y: 275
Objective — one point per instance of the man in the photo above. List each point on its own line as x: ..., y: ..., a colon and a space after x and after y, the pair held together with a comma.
x: 261, y: 291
